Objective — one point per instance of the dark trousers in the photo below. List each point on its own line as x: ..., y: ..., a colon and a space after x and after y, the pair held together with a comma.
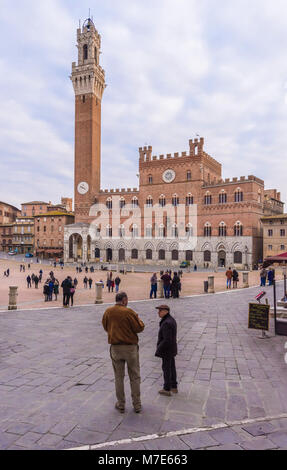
x: 153, y: 291
x: 166, y: 291
x: 169, y: 372
x: 263, y: 282
x: 66, y: 299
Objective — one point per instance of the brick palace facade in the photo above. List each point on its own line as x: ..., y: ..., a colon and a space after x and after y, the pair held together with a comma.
x: 226, y: 226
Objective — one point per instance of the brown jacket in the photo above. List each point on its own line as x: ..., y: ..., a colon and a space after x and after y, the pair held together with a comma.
x: 122, y: 325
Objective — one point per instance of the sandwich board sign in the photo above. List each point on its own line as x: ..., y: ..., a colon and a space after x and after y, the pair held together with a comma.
x: 258, y: 318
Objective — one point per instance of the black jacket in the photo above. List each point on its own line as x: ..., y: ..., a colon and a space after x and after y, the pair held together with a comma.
x: 66, y: 285
x: 166, y: 344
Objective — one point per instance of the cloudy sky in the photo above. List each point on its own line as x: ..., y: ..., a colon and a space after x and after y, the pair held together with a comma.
x: 174, y: 69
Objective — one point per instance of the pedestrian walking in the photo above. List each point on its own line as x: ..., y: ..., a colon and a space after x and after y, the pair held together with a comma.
x: 175, y: 286
x: 228, y: 275
x: 85, y: 281
x: 123, y: 325
x: 21, y: 268
x: 117, y: 283
x: 51, y: 290
x: 263, y: 277
x: 90, y: 282
x: 75, y: 282
x: 36, y: 281
x: 167, y: 350
x: 166, y: 284
x: 8, y: 272
x: 66, y: 286
x: 28, y: 279
x: 153, y: 285
x: 235, y: 278
x: 271, y: 275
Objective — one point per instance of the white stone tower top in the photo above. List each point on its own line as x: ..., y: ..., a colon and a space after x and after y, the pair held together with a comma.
x: 88, y: 76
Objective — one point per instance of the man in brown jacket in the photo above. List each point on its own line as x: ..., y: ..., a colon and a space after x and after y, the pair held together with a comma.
x: 122, y: 325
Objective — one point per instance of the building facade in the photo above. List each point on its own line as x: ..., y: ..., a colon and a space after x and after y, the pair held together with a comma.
x: 183, y: 209
x: 49, y: 233
x: 274, y: 235
x: 23, y: 235
x: 8, y: 213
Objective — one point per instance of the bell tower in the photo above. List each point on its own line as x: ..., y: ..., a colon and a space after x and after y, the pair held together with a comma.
x: 88, y: 80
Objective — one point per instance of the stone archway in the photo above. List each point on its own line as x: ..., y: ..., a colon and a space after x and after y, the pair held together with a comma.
x: 222, y: 259
x: 122, y: 254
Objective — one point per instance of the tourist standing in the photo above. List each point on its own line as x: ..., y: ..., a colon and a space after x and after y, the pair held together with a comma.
x: 175, y: 286
x: 56, y: 288
x: 228, y: 275
x: 66, y: 286
x: 46, y: 290
x: 51, y: 289
x: 167, y: 349
x: 85, y: 281
x: 122, y: 325
x: 235, y: 278
x: 36, y: 281
x: 166, y: 284
x: 28, y: 279
x: 72, y: 292
x: 90, y: 282
x: 263, y: 277
x: 153, y: 283
x: 271, y: 275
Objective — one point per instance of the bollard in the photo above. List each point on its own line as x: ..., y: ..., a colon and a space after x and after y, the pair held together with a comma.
x: 13, y: 298
x: 211, y: 285
x: 99, y: 293
x: 245, y: 280
x: 160, y: 289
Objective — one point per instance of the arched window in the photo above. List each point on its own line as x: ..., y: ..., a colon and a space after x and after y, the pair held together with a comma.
x: 150, y: 179
x: 161, y: 255
x: 238, y: 195
x: 135, y: 254
x: 223, y: 198
x: 135, y: 202
x: 149, y: 201
x: 222, y: 231
x: 97, y: 253
x: 122, y: 254
x: 207, y: 199
x: 149, y: 254
x: 207, y: 230
x: 188, y: 175
x: 237, y: 257
x: 207, y: 256
x: 109, y: 203
x: 189, y: 200
x: 122, y: 203
x: 238, y: 229
x: 162, y: 201
x: 175, y: 200
x: 188, y: 255
x: 85, y: 52
x: 174, y: 255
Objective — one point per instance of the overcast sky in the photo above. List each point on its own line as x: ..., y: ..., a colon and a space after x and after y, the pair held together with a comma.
x: 174, y: 69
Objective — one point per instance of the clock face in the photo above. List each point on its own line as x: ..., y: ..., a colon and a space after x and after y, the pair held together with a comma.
x: 83, y: 187
x: 168, y: 176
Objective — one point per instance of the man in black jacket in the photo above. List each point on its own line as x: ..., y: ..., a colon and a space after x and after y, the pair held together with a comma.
x: 66, y: 285
x: 167, y: 349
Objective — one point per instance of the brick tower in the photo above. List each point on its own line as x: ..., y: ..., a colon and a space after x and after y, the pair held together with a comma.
x: 88, y: 79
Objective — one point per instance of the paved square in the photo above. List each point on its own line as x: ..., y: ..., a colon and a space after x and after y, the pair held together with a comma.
x: 57, y: 388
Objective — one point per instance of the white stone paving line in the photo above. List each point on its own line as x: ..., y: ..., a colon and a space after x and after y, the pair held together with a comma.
x: 136, y: 301
x: 182, y: 432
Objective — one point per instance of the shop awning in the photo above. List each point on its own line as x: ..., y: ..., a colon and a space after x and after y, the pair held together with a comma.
x: 282, y: 258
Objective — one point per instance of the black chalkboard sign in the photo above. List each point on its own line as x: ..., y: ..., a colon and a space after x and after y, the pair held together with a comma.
x: 259, y: 317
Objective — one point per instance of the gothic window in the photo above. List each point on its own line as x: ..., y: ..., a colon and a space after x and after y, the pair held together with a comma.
x: 135, y: 231
x: 188, y: 255
x: 135, y: 202
x: 149, y: 201
x: 222, y: 231
x: 161, y: 231
x: 122, y: 203
x: 148, y: 231
x: 207, y: 199
x: 207, y: 256
x: 238, y: 195
x: 85, y: 52
x: 174, y: 231
x: 222, y: 198
x: 238, y: 257
x: 109, y: 203
x: 161, y: 255
x: 121, y: 231
x: 189, y: 200
x: 175, y: 200
x: 188, y: 176
x: 174, y: 255
x: 150, y: 180
x: 238, y: 229
x: 109, y: 231
x: 189, y: 230
x: 135, y: 254
x: 149, y: 254
x: 207, y: 230
x: 162, y: 201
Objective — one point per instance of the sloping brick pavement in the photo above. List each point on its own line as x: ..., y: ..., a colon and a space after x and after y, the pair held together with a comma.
x: 57, y: 389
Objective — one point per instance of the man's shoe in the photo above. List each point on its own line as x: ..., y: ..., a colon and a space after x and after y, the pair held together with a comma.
x: 120, y: 408
x: 137, y: 409
x: 174, y: 390
x: 167, y: 393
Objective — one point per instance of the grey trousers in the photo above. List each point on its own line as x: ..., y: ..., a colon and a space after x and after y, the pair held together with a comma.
x: 120, y: 355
